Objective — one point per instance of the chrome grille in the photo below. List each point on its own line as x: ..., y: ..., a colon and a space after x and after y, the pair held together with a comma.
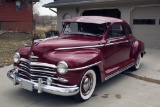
x: 34, y: 70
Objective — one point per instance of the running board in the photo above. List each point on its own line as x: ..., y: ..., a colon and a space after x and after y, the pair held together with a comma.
x: 119, y: 71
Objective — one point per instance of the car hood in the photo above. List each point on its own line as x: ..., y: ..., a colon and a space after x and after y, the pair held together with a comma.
x: 69, y: 42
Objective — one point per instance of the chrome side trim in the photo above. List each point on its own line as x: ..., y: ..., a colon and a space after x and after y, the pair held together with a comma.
x: 42, y: 64
x: 94, y: 46
x: 115, y: 43
x: 75, y: 69
x: 119, y: 71
x: 80, y: 47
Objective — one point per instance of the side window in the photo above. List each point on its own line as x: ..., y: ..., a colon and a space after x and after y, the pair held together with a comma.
x: 67, y: 29
x: 128, y: 30
x: 116, y: 30
x: 71, y: 28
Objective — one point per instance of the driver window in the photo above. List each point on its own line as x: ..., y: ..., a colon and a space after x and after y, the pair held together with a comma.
x: 67, y: 28
x: 116, y: 30
x: 71, y: 27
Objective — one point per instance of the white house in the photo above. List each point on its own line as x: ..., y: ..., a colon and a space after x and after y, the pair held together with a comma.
x: 142, y: 15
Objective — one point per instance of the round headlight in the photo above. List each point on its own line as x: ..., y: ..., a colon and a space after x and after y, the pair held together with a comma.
x: 16, y: 57
x: 62, y: 67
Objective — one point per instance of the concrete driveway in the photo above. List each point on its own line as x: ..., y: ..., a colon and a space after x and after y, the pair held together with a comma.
x: 137, y: 89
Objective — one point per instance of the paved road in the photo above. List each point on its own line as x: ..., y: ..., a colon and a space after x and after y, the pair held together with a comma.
x: 142, y: 89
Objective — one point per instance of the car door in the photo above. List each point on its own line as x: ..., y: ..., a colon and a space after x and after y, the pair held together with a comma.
x: 117, y: 48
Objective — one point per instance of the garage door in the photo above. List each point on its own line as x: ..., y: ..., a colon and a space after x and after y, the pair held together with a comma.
x: 103, y: 12
x: 146, y: 25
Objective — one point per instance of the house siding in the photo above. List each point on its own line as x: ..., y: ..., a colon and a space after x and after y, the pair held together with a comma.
x: 13, y: 20
x: 26, y: 26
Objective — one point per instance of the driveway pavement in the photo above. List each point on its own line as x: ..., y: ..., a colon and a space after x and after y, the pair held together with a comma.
x: 136, y: 89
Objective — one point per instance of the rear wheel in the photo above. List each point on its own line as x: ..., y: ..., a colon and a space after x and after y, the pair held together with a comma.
x: 137, y: 63
x: 87, y: 86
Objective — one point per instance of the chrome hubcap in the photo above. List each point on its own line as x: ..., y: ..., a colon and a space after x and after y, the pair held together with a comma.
x: 87, y: 84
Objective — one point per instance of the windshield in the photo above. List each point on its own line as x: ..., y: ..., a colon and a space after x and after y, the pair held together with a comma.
x: 84, y: 28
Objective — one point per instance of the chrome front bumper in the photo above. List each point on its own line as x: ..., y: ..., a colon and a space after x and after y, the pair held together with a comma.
x: 62, y: 91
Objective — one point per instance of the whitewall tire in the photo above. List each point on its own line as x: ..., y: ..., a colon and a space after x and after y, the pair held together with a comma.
x: 137, y: 63
x: 87, y: 86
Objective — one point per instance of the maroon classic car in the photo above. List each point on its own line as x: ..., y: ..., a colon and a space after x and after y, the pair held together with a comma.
x: 90, y: 48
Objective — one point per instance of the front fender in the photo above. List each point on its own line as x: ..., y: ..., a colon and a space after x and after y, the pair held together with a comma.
x: 79, y: 58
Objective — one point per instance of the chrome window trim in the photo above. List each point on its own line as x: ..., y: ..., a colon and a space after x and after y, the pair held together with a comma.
x: 80, y: 68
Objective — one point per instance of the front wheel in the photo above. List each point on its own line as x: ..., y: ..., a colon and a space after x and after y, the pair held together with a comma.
x: 87, y: 86
x: 137, y: 63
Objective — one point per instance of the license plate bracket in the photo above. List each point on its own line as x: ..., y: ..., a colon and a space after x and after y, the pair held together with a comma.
x: 26, y: 85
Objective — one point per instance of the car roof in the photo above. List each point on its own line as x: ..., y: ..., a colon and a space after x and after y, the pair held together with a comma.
x: 93, y: 19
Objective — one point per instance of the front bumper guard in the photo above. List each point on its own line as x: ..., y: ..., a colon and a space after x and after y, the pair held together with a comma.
x: 12, y: 75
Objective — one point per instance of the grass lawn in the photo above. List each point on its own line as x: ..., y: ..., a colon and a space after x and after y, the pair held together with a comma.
x: 9, y: 42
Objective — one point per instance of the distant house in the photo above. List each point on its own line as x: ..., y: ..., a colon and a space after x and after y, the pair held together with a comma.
x: 142, y: 15
x: 16, y: 15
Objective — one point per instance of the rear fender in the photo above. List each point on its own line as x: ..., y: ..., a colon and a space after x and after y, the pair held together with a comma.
x: 138, y: 48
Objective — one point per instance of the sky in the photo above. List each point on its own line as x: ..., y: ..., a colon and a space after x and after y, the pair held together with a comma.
x: 43, y: 10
